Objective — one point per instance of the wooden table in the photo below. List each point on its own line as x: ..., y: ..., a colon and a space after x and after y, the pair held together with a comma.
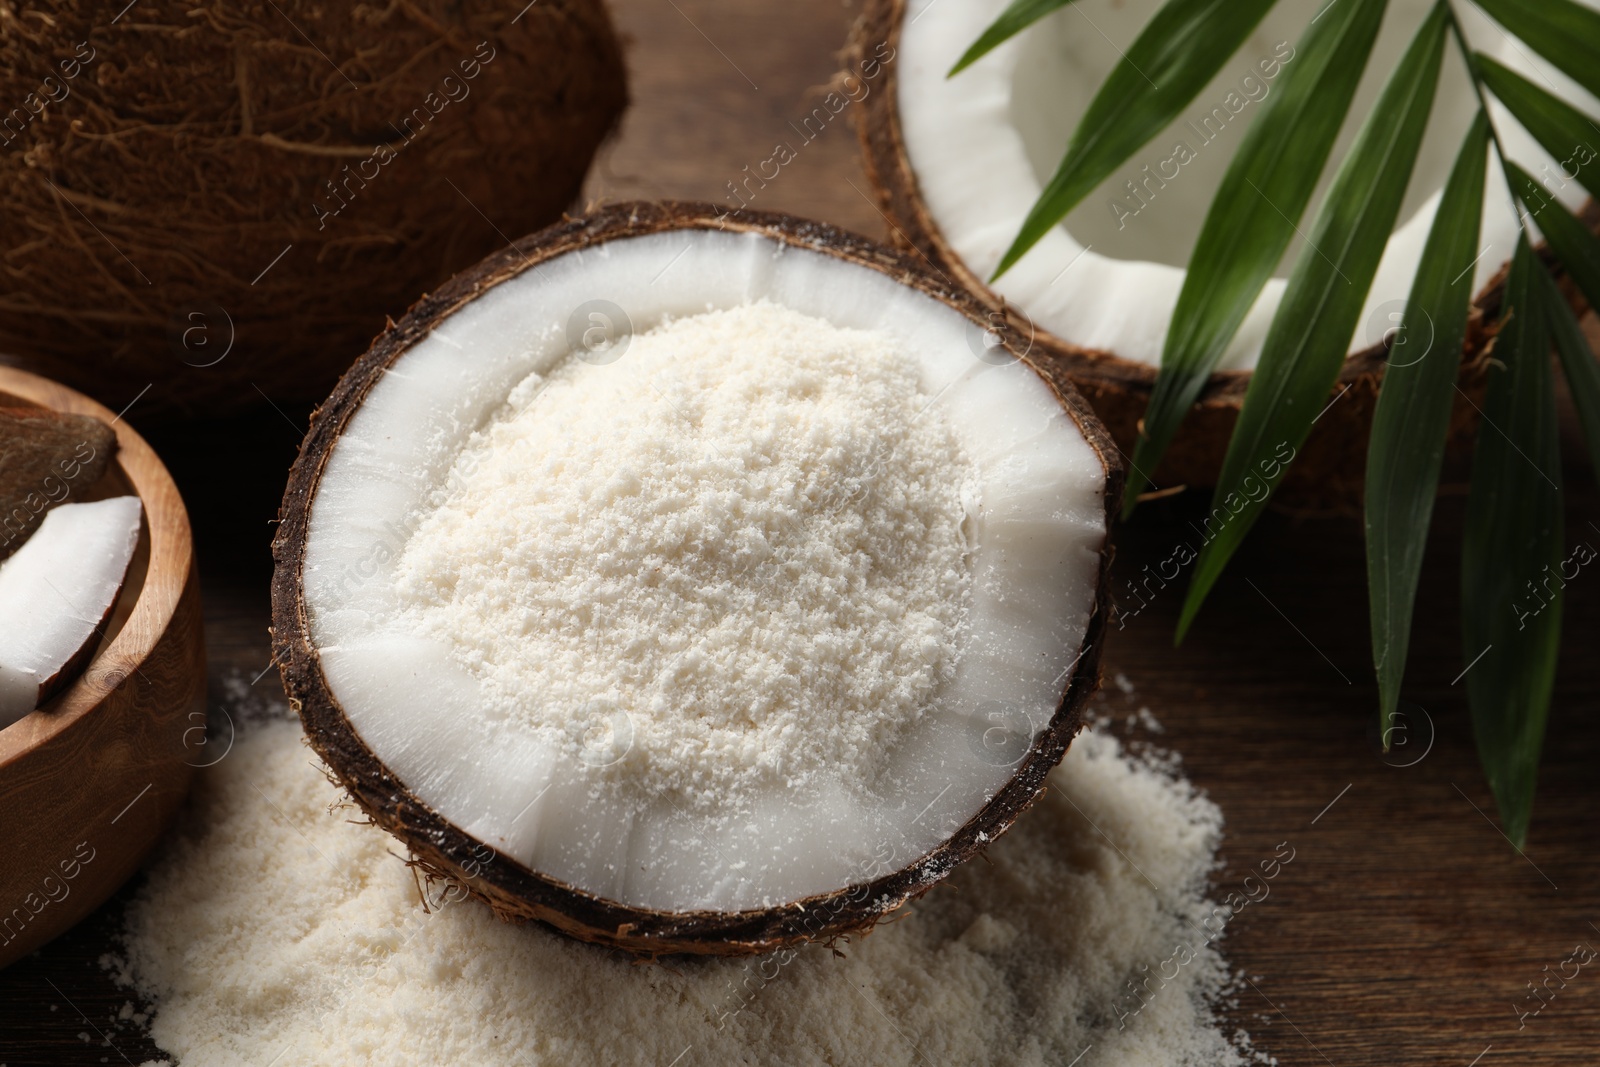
x: 1407, y: 929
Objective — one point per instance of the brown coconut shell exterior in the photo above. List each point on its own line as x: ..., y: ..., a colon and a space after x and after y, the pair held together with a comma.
x: 223, y: 200
x: 515, y: 892
x: 1329, y: 472
x: 44, y: 456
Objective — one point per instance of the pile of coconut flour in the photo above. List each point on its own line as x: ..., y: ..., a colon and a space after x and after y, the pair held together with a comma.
x: 768, y: 573
x: 277, y: 931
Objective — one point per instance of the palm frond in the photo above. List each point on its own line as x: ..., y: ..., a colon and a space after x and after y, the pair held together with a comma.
x: 1310, y: 334
x: 1511, y: 611
x: 1253, y: 217
x: 1511, y: 617
x: 1412, y: 417
x: 1574, y: 245
x: 1013, y: 20
x: 1565, y: 33
x: 1564, y: 131
x: 1577, y: 363
x: 1178, y: 53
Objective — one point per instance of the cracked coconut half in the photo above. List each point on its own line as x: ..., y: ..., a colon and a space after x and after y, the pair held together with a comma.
x: 957, y: 162
x: 695, y: 582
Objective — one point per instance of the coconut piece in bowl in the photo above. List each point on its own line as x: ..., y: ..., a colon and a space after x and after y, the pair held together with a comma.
x: 56, y: 593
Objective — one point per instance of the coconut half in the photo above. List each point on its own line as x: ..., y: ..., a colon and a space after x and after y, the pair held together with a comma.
x: 56, y: 593
x: 958, y: 162
x: 566, y: 829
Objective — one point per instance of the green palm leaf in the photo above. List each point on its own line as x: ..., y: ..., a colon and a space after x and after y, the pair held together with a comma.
x: 1176, y: 55
x: 1309, y: 336
x: 1577, y: 362
x: 1511, y: 570
x: 1576, y: 248
x: 1511, y: 611
x: 1412, y: 418
x: 1564, y: 131
x: 1253, y: 216
x: 1012, y: 21
x: 1565, y: 33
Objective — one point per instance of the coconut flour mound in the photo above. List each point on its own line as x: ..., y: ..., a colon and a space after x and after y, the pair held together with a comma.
x: 277, y: 931
x: 745, y: 534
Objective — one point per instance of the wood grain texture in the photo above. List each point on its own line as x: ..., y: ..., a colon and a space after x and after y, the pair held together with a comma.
x: 89, y: 781
x: 1405, y: 929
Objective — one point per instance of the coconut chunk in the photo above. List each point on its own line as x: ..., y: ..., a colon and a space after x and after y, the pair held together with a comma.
x: 56, y: 593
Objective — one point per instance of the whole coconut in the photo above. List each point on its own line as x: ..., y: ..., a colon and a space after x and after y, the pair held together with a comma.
x: 222, y: 199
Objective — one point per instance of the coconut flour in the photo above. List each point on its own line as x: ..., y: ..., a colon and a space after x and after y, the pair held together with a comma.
x: 276, y: 930
x: 745, y: 534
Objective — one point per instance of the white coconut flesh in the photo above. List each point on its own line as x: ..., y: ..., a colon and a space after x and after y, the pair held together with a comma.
x: 984, y: 144
x: 56, y: 591
x: 616, y: 763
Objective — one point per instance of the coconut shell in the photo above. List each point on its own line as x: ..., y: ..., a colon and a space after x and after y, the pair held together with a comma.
x: 222, y: 200
x: 516, y: 893
x: 44, y: 456
x: 1329, y: 471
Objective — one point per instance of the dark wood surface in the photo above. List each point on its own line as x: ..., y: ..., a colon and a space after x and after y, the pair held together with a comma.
x: 1406, y: 931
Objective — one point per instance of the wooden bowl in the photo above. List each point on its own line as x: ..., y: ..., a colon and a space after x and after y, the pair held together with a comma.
x: 89, y: 781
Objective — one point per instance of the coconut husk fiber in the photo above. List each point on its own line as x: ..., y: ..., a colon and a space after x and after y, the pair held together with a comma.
x: 223, y: 199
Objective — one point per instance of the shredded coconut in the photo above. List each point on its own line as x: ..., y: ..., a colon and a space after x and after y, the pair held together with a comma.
x: 275, y: 930
x: 745, y: 534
